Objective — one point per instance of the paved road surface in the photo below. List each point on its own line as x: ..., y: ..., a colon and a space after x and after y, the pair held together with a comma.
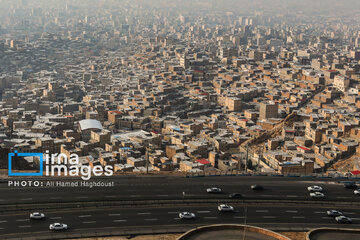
x: 262, y: 216
x: 150, y: 188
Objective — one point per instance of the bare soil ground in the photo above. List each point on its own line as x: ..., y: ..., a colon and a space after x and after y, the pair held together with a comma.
x: 295, y: 235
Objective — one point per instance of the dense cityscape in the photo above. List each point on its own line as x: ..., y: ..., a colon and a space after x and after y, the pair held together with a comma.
x: 182, y: 88
x: 185, y: 92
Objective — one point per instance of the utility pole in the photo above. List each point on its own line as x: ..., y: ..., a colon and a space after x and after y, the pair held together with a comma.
x: 247, y: 157
x: 260, y: 153
x: 147, y: 159
x: 258, y: 163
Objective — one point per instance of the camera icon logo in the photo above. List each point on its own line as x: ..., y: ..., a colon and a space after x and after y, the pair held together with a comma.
x: 23, y: 174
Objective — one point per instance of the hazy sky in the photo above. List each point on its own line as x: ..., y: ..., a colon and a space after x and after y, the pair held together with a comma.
x: 326, y: 7
x: 228, y: 4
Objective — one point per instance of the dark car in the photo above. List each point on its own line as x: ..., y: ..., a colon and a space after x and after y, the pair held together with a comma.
x: 257, y: 187
x: 235, y: 195
x: 350, y: 185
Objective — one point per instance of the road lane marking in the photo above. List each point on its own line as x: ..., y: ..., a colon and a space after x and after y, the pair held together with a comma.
x: 262, y: 211
x: 54, y: 218
x: 2, y: 228
x: 173, y: 212
x: 114, y: 214
x: 342, y: 197
x: 22, y: 220
x: 82, y: 197
x: 291, y: 211
x: 110, y: 196
x: 54, y: 198
x: 299, y: 217
x: 144, y: 213
x: 4, y: 221
x: 203, y: 211
x: 349, y: 213
x: 162, y: 195
x: 26, y: 199
x: 120, y: 220
x: 84, y: 216
x: 320, y: 212
x: 239, y: 217
x: 268, y: 217
x: 292, y: 196
x: 89, y: 222
x: 266, y: 195
x: 210, y: 217
x: 327, y: 218
x: 190, y: 195
x: 27, y: 226
x: 176, y: 218
x: 135, y: 195
x: 151, y: 219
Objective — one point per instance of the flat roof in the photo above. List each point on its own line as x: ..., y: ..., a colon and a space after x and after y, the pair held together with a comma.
x: 90, y: 124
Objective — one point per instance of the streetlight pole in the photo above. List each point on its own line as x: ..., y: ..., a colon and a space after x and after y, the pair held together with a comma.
x: 247, y: 157
x: 239, y: 162
x: 147, y: 159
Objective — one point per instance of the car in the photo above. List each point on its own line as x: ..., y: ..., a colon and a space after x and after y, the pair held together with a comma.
x: 187, y: 215
x: 317, y: 195
x: 256, y: 187
x: 350, y: 185
x: 213, y: 190
x: 225, y: 208
x: 37, y: 215
x: 343, y: 219
x: 58, y: 226
x: 357, y: 192
x: 235, y: 195
x: 315, y: 189
x: 333, y: 213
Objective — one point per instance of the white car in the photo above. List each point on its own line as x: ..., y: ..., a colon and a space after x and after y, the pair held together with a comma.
x: 315, y: 189
x: 58, y: 226
x: 37, y: 215
x: 225, y: 208
x: 357, y: 192
x: 333, y: 213
x: 317, y: 195
x: 343, y: 219
x: 187, y: 215
x: 213, y: 190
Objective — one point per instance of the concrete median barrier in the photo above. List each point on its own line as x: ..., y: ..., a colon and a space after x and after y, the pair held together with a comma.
x: 103, y: 204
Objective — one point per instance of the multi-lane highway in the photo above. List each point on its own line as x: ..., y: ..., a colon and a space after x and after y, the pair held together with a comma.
x: 270, y: 213
x: 265, y: 216
x: 143, y: 188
